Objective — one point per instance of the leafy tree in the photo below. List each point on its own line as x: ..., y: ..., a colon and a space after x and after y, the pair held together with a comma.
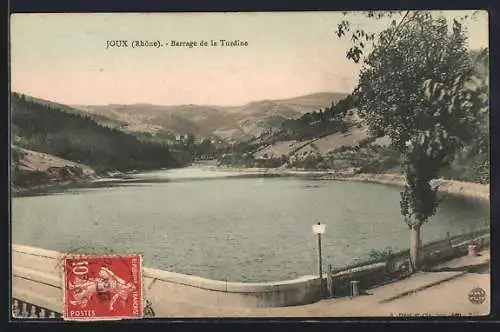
x: 418, y: 87
x: 363, y: 40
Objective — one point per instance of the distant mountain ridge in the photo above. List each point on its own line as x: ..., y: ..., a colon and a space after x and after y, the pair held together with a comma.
x: 227, y: 122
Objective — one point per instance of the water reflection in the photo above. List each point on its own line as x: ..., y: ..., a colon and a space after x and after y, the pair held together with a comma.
x: 242, y: 229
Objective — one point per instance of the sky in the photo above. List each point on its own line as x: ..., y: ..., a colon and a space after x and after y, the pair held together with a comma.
x: 63, y: 57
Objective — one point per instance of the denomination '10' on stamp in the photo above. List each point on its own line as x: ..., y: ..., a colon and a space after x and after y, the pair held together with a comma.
x: 103, y: 287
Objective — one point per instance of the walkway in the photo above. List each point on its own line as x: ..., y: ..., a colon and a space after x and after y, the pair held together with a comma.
x: 442, y: 291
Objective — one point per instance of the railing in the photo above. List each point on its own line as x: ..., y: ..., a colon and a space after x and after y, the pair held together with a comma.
x: 36, y: 279
x: 21, y: 309
x: 396, y: 266
x: 37, y: 290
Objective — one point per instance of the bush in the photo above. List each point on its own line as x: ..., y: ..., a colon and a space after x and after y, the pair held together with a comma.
x: 470, y: 167
x: 380, y: 255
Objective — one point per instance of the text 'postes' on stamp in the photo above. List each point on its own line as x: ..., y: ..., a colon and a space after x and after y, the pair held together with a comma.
x: 103, y: 287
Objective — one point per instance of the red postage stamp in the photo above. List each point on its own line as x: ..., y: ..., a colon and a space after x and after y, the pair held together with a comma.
x: 102, y: 287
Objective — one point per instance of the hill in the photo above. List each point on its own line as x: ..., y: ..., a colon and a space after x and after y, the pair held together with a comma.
x: 336, y: 138
x: 227, y: 122
x: 67, y: 133
x: 102, y: 120
x: 317, y: 132
x: 32, y: 169
x: 33, y: 161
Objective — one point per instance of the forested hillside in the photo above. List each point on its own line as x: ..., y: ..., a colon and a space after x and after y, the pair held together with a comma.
x: 320, y: 122
x: 48, y: 128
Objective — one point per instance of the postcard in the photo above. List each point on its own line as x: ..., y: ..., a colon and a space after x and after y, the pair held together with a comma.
x: 263, y: 164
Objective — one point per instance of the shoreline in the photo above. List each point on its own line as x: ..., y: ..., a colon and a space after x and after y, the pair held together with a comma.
x: 57, y: 184
x: 19, y: 191
x: 446, y: 186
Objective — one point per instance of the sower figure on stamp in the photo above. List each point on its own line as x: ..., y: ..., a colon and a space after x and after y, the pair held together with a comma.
x: 108, y: 283
x: 111, y: 282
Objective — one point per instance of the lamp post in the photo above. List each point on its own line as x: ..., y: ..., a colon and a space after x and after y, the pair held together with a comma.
x: 232, y: 153
x: 320, y: 229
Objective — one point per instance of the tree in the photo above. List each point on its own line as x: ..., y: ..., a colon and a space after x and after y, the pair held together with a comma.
x: 415, y: 86
x: 363, y: 39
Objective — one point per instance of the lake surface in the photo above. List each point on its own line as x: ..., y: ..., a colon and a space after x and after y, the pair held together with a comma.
x: 236, y: 229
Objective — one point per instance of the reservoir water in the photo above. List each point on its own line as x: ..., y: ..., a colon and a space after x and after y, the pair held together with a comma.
x: 231, y: 228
